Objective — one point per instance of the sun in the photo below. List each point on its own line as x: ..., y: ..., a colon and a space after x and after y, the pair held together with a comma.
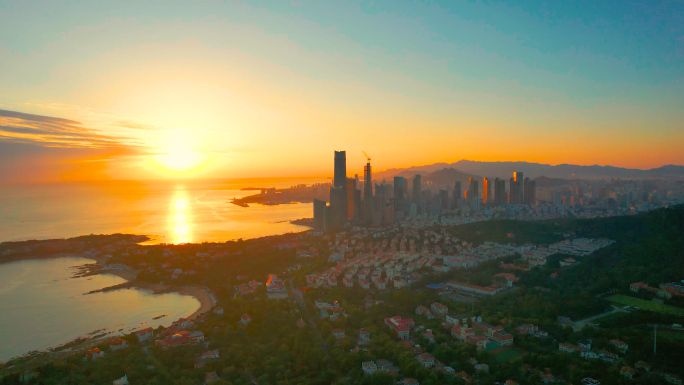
x: 180, y: 160
x: 178, y: 156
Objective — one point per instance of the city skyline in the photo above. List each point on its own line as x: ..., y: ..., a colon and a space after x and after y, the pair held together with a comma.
x: 230, y: 90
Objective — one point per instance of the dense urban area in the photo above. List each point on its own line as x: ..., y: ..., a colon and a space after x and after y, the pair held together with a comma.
x: 568, y: 300
x: 583, y: 286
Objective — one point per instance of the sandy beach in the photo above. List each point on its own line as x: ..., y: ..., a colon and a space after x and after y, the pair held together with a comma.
x: 202, y: 294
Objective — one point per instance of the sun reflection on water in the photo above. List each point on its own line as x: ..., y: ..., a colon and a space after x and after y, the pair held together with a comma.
x: 180, y: 218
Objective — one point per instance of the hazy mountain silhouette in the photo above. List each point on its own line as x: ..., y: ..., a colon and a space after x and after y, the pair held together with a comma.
x: 535, y: 170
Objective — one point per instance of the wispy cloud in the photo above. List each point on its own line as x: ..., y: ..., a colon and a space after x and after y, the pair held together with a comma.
x: 138, y: 126
x: 19, y: 127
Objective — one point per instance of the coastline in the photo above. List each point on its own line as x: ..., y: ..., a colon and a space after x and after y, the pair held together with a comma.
x: 202, y: 294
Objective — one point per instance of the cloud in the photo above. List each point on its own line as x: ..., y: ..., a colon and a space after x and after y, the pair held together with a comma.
x: 19, y: 127
x: 138, y: 126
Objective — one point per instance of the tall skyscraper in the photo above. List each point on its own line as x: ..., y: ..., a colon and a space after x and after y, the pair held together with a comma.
x: 500, y: 197
x: 367, y: 190
x: 319, y: 215
x: 473, y: 189
x: 351, y: 187
x: 417, y: 189
x: 338, y: 207
x: 458, y: 195
x: 486, y: 191
x: 518, y: 177
x: 399, y: 184
x: 514, y: 192
x: 338, y: 193
x: 530, y: 193
x: 443, y: 199
x: 340, y: 179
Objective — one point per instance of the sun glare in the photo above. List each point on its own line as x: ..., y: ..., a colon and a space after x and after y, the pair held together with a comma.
x: 178, y: 155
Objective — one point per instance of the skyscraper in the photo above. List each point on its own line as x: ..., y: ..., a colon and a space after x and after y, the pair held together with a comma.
x: 458, y: 195
x: 518, y: 177
x: 367, y: 191
x: 319, y: 214
x: 530, y: 192
x: 416, y: 189
x: 443, y: 199
x: 473, y: 189
x: 500, y: 197
x: 338, y: 208
x: 338, y: 193
x: 351, y: 187
x: 486, y: 191
x: 340, y: 179
x: 514, y: 192
x: 399, y: 184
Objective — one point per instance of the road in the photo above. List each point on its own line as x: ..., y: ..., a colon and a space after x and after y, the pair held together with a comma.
x: 577, y: 326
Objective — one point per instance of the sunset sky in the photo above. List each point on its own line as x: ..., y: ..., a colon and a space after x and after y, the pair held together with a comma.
x: 140, y: 90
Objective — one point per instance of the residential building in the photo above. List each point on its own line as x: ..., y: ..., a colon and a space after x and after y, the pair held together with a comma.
x: 338, y: 333
x: 94, y: 354
x: 627, y: 372
x: 401, y: 326
x: 369, y: 367
x: 144, y: 334
x: 438, y: 309
x: 117, y: 344
x: 426, y: 359
x: 245, y: 319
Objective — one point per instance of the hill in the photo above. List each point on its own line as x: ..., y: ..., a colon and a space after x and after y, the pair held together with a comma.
x: 534, y: 170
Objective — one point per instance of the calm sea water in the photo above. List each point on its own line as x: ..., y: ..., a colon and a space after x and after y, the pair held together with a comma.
x: 41, y: 306
x: 168, y: 212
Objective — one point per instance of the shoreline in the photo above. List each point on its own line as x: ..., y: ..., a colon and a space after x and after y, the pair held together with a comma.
x: 202, y: 294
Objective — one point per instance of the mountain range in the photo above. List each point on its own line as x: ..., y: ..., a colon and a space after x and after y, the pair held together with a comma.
x: 463, y: 169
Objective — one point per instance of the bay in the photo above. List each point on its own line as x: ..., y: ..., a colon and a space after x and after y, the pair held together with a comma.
x: 42, y: 306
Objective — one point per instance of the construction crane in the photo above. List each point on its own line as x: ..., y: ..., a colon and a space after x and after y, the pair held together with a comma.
x: 367, y: 157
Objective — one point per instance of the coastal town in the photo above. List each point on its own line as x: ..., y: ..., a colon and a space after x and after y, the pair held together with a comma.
x: 404, y: 303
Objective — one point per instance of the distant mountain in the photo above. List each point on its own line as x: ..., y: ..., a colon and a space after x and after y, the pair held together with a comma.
x: 535, y: 170
x: 447, y: 177
x: 546, y: 182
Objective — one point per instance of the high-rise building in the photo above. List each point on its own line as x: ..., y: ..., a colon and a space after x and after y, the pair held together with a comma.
x: 351, y: 187
x: 530, y: 192
x: 338, y: 207
x: 458, y: 195
x: 338, y: 193
x: 514, y: 194
x: 500, y: 197
x: 367, y: 191
x: 444, y: 199
x: 399, y: 183
x: 340, y: 179
x: 486, y: 191
x: 357, y: 204
x: 417, y: 189
x: 319, y: 214
x: 473, y: 189
x: 518, y: 177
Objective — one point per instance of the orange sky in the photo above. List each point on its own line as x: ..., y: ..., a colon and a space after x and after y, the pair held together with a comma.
x: 234, y: 91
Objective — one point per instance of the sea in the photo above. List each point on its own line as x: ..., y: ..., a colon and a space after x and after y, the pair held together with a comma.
x: 42, y: 306
x: 167, y: 211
